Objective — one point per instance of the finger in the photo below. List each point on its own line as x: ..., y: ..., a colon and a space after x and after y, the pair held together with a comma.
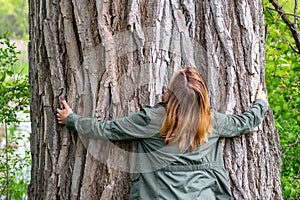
x: 60, y: 121
x: 66, y: 105
x: 259, y: 87
x: 61, y: 112
x: 59, y: 117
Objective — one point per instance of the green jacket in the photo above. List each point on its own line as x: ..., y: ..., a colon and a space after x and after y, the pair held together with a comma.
x: 162, y: 172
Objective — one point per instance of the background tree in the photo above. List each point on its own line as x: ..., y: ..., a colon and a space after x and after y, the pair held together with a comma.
x: 111, y: 57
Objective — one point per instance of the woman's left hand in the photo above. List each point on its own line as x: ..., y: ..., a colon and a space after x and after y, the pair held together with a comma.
x: 261, y: 94
x: 63, y: 114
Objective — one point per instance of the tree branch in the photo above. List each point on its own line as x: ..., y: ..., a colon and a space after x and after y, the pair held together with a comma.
x: 292, y: 145
x: 291, y: 25
x: 295, y: 143
x: 295, y: 13
x: 289, y: 14
x: 296, y: 19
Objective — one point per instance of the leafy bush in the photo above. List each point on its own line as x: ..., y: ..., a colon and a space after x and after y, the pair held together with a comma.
x: 282, y: 78
x: 14, y: 86
x: 14, y: 97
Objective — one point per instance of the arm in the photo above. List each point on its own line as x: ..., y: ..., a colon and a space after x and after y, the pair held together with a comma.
x: 138, y: 125
x: 233, y: 125
x: 131, y: 127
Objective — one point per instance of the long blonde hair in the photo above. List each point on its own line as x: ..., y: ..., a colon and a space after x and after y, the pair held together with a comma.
x: 188, y: 116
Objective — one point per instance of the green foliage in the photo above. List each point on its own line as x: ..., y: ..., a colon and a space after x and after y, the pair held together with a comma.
x: 14, y: 98
x: 13, y: 166
x: 14, y: 87
x: 14, y: 15
x: 282, y: 78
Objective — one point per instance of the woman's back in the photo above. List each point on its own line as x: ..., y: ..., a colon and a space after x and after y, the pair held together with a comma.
x: 164, y: 172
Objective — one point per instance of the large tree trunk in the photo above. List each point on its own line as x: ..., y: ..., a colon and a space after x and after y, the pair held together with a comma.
x: 109, y: 58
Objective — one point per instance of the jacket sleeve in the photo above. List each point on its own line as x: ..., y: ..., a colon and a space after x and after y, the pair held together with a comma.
x: 234, y: 125
x: 134, y: 126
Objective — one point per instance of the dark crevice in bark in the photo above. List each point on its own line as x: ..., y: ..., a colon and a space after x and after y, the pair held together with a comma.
x: 76, y: 33
x: 92, y: 11
x: 109, y: 102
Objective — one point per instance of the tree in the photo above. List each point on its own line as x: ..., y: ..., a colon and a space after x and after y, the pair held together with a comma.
x: 109, y: 58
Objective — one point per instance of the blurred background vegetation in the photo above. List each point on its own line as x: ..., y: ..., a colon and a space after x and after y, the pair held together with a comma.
x: 13, y: 18
x: 283, y: 86
x: 282, y: 81
x: 15, y: 159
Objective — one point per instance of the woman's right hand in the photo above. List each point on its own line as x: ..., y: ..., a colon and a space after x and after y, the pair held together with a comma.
x: 261, y: 94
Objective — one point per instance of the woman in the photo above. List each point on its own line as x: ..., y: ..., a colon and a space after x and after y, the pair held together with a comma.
x: 179, y: 154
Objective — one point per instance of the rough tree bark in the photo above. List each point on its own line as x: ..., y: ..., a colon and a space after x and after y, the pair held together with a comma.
x: 109, y: 58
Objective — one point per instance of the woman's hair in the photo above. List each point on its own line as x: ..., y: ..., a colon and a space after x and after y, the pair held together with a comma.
x: 188, y: 116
